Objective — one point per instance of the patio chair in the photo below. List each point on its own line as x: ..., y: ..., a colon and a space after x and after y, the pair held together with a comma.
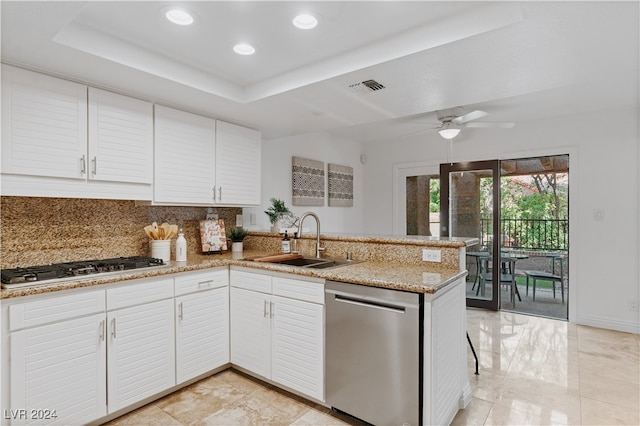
x: 507, y: 275
x: 540, y: 275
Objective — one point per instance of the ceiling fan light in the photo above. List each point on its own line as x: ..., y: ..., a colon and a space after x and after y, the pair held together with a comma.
x: 449, y: 132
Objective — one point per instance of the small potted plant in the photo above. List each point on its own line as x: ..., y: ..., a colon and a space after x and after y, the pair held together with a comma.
x: 279, y: 215
x: 236, y: 235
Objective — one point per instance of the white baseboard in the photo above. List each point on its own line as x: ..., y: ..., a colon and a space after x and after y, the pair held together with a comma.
x: 608, y: 323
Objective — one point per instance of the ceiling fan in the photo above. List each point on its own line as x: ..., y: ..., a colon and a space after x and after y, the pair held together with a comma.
x: 452, y: 120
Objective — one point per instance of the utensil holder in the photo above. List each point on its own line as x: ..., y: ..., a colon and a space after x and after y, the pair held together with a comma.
x: 161, y: 249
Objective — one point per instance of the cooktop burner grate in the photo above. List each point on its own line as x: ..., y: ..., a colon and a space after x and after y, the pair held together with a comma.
x: 31, y: 275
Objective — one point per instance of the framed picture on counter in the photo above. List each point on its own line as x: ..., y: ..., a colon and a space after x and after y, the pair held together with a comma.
x: 213, y: 235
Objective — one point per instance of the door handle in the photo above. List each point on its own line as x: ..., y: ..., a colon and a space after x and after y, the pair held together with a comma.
x: 83, y: 165
x: 181, y: 311
x: 220, y: 193
x: 113, y: 328
x: 94, y: 167
x: 370, y: 304
x: 102, y: 325
x: 271, y: 314
x: 265, y: 313
x: 214, y: 194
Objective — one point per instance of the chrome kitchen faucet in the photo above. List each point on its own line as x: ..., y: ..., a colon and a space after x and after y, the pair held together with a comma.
x: 302, y: 218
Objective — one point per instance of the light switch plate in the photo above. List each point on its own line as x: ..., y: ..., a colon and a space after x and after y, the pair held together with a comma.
x: 431, y: 255
x: 239, y: 220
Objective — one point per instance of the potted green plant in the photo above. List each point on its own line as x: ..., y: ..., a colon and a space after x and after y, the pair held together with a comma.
x: 280, y: 215
x: 237, y: 236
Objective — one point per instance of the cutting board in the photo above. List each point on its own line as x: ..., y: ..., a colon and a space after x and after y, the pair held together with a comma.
x: 274, y: 257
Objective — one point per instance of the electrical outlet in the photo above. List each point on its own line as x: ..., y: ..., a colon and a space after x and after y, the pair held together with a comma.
x: 633, y: 305
x: 430, y: 255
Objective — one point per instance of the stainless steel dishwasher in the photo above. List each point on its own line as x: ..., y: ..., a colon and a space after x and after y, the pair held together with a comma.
x: 374, y: 353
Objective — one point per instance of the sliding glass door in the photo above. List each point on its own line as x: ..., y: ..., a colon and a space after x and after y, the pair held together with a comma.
x: 470, y: 192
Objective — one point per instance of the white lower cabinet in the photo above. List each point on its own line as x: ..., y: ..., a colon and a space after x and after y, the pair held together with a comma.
x: 277, y: 329
x: 76, y: 357
x: 297, y: 346
x: 141, y: 355
x: 202, y: 322
x: 57, y: 360
x: 251, y: 331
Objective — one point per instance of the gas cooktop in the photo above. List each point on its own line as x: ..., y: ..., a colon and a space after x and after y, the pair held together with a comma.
x: 58, y: 272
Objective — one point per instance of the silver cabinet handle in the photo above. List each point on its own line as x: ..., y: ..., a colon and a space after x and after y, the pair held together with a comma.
x: 214, y: 194
x: 205, y: 283
x: 181, y: 311
x: 265, y: 309
x: 94, y: 163
x: 270, y: 309
x: 113, y: 328
x: 102, y: 324
x: 83, y: 165
x: 220, y: 193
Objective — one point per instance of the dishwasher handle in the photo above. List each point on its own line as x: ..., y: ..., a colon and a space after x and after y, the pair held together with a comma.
x: 369, y: 303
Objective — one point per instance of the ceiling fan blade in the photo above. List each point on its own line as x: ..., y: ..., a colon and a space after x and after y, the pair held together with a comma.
x: 490, y: 124
x: 473, y: 115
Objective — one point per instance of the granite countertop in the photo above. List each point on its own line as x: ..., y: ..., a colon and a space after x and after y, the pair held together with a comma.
x: 425, y: 278
x: 420, y: 240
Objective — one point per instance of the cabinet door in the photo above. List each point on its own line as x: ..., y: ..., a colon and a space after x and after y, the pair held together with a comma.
x: 59, y: 367
x: 141, y: 352
x: 202, y: 332
x: 297, y: 341
x: 237, y: 164
x: 184, y: 170
x: 44, y: 125
x: 120, y: 138
x: 250, y: 331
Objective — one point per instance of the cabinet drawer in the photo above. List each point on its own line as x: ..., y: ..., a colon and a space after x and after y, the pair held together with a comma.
x: 192, y: 282
x: 56, y: 308
x: 145, y: 291
x: 250, y: 281
x: 308, y: 291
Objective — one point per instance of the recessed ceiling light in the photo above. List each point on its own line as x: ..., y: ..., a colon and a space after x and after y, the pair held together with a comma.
x: 305, y: 21
x: 179, y: 16
x: 244, y: 49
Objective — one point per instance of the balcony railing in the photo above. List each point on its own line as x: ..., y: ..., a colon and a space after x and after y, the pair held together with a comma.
x: 529, y: 234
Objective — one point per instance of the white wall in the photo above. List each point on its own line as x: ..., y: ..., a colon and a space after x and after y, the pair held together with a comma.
x: 276, y: 181
x: 604, y: 256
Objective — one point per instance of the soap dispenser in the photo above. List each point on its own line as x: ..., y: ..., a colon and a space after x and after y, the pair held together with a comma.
x: 286, y: 243
x: 294, y: 247
x: 181, y: 248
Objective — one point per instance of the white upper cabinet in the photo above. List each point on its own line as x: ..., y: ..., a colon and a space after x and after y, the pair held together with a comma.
x: 184, y: 157
x: 63, y: 139
x: 44, y: 125
x: 120, y: 138
x: 201, y: 161
x: 238, y: 157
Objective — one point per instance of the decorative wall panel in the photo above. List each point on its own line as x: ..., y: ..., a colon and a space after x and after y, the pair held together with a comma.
x: 340, y: 186
x: 307, y: 181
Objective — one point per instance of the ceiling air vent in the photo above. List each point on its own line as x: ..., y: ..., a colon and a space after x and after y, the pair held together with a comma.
x: 366, y: 86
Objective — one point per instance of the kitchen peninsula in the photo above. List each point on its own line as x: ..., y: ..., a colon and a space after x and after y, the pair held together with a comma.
x: 386, y: 262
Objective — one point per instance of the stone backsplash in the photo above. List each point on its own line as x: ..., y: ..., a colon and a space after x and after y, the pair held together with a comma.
x: 37, y: 230
x: 361, y: 248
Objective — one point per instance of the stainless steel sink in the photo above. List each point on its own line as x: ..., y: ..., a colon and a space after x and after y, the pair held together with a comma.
x: 302, y: 261
x: 315, y: 263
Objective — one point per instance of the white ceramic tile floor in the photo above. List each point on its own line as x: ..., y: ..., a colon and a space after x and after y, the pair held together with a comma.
x: 533, y: 371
